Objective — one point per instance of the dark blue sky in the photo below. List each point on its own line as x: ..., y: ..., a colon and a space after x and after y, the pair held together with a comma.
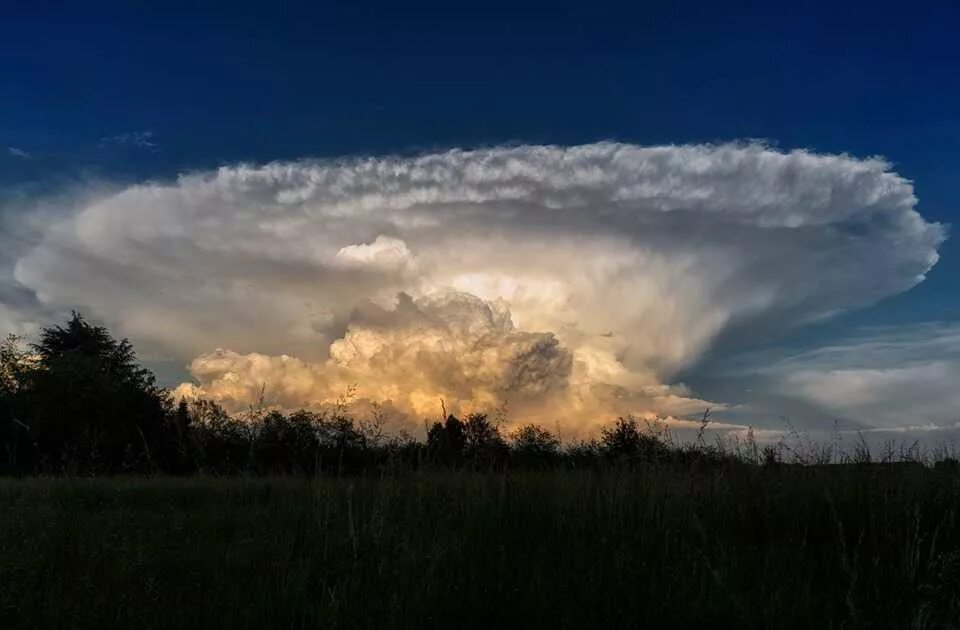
x: 195, y: 86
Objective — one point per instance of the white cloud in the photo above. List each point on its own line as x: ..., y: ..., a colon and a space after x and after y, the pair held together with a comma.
x: 384, y: 252
x: 888, y: 379
x: 631, y: 261
x: 18, y: 153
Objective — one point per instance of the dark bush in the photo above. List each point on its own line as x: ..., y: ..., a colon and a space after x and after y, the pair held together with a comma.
x: 535, y: 446
x: 626, y: 442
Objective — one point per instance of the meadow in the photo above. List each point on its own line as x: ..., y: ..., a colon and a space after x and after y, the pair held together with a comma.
x: 659, y: 545
x: 122, y: 508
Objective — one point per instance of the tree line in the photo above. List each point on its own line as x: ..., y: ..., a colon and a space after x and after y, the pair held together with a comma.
x: 77, y: 402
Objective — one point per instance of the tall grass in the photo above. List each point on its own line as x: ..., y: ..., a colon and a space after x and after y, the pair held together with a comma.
x: 657, y: 546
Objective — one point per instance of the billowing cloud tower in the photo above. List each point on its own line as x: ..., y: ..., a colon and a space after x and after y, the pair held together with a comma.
x: 566, y: 283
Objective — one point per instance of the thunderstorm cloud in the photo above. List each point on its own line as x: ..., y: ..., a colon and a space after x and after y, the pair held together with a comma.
x: 568, y: 283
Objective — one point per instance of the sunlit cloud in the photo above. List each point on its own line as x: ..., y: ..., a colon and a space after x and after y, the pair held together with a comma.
x: 567, y: 284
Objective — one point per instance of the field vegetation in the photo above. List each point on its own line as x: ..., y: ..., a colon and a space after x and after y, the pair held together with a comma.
x: 120, y: 507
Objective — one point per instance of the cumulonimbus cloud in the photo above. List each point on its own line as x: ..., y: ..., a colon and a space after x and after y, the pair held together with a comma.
x: 543, y: 277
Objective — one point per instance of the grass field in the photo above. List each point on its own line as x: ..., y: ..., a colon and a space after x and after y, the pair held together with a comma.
x: 744, y: 546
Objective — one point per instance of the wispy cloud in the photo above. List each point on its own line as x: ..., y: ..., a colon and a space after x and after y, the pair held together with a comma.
x: 18, y: 153
x: 887, y: 379
x: 141, y: 139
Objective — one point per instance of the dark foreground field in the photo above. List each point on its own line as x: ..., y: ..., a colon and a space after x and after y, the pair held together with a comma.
x: 746, y: 547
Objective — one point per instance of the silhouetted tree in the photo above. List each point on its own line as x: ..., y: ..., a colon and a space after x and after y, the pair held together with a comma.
x: 483, y: 445
x: 224, y: 443
x: 582, y: 454
x: 534, y: 445
x: 342, y: 445
x: 624, y: 441
x: 287, y: 444
x: 17, y: 449
x: 91, y: 408
x: 446, y: 442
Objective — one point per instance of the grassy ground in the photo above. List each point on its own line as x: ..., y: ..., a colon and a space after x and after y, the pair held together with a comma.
x: 744, y: 547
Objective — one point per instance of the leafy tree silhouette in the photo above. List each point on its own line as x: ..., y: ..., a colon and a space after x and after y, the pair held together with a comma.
x: 287, y: 444
x: 535, y: 446
x: 93, y: 409
x: 343, y: 448
x: 18, y: 449
x: 483, y: 445
x: 224, y: 443
x: 181, y: 448
x: 446, y: 442
x: 625, y: 441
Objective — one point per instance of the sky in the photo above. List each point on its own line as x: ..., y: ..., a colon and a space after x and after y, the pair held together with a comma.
x: 563, y: 212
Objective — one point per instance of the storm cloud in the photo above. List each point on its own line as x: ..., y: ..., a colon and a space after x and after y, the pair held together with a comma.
x: 570, y: 282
